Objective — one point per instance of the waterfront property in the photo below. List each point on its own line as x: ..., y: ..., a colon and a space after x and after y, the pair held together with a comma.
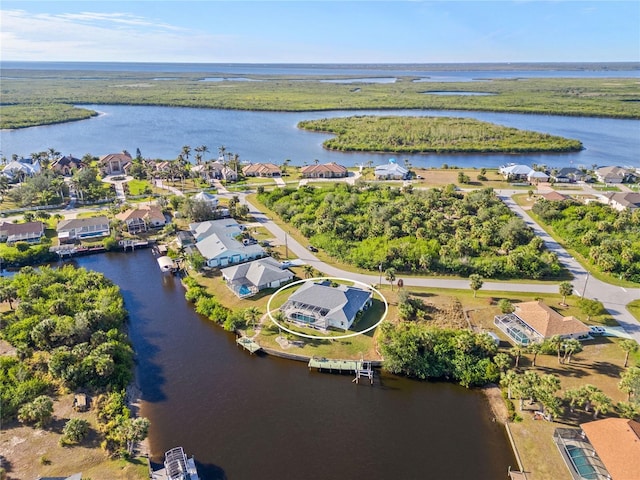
x: 261, y: 170
x: 325, y: 170
x: 142, y: 218
x: 320, y: 305
x: 215, y: 171
x: 115, y: 163
x: 601, y: 450
x: 30, y: 232
x: 533, y: 322
x: 83, y: 229
x: 570, y: 175
x: 66, y: 165
x: 247, y: 279
x: 220, y: 243
x: 513, y: 172
x: 18, y: 170
x: 615, y: 175
x: 391, y: 171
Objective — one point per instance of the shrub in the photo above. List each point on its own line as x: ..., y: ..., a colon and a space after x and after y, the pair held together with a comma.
x: 74, y: 431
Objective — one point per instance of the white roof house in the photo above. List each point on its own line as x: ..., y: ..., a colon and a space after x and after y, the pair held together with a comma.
x: 513, y: 170
x: 536, y: 176
x: 319, y: 305
x: 217, y: 241
x: 16, y: 169
x: 249, y: 278
x: 391, y: 171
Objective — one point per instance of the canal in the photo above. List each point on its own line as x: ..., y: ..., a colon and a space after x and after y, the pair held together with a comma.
x: 248, y: 417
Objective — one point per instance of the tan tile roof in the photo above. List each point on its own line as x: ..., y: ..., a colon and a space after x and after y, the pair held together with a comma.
x: 325, y: 167
x: 261, y: 169
x: 546, y: 321
x: 554, y: 196
x: 123, y: 157
x: 617, y: 441
x: 21, y: 228
x: 147, y: 212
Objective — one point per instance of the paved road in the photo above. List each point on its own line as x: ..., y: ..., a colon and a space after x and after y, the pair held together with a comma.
x: 613, y: 298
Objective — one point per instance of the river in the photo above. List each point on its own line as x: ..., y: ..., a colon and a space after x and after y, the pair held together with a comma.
x: 254, y: 416
x: 161, y: 132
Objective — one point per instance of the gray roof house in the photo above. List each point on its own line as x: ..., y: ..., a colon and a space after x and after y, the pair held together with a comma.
x: 623, y: 200
x: 320, y: 306
x: 615, y: 175
x: 83, y: 228
x: 21, y: 232
x: 570, y: 175
x: 391, y: 171
x: 249, y: 278
x: 217, y: 241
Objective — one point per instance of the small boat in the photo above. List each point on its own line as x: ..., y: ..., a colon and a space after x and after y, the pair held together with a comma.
x: 176, y: 467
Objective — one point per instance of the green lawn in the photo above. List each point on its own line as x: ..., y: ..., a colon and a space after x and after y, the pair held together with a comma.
x: 634, y: 308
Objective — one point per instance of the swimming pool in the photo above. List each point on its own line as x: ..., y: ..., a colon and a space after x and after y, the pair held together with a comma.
x: 580, y: 459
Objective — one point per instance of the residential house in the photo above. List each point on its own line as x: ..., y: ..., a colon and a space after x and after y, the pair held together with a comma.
x: 514, y: 172
x: 31, y: 232
x: 18, y: 170
x: 82, y: 229
x: 391, y: 171
x: 141, y: 218
x: 622, y: 200
x: 536, y: 177
x: 115, y: 163
x: 320, y: 306
x: 570, y: 175
x: 249, y: 278
x: 325, y: 170
x: 261, y: 170
x: 215, y: 171
x: 220, y: 242
x: 534, y: 322
x: 615, y: 175
x: 554, y: 196
x: 601, y: 450
x: 185, y: 239
x: 66, y: 165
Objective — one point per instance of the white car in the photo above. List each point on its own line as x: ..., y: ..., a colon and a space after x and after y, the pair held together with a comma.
x: 595, y: 330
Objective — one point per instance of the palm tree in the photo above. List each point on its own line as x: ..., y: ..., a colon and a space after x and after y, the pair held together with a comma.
x: 221, y: 151
x: 566, y: 289
x: 502, y: 361
x: 308, y: 271
x: 516, y: 352
x: 534, y: 348
x: 630, y: 383
x: 251, y: 314
x: 186, y: 151
x: 509, y: 380
x: 576, y: 396
x: 571, y: 346
x: 556, y: 343
x: 601, y: 403
x: 629, y: 346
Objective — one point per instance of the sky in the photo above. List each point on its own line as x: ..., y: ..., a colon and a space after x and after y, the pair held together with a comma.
x: 320, y: 31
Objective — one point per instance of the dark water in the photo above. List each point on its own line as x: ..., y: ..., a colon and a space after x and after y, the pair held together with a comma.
x: 160, y: 132
x: 250, y: 417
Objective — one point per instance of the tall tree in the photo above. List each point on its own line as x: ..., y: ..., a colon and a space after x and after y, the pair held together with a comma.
x: 629, y: 346
x: 565, y: 289
x: 250, y: 315
x: 390, y: 276
x: 630, y: 384
x: 570, y: 347
x: 516, y: 352
x: 475, y: 282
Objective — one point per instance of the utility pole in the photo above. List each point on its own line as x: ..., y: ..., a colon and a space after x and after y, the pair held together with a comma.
x: 584, y: 289
x: 380, y: 281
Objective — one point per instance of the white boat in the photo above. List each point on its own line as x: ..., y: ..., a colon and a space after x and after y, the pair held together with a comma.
x: 176, y: 467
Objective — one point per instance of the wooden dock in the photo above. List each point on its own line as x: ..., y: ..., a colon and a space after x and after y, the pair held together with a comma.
x: 361, y: 368
x: 248, y: 344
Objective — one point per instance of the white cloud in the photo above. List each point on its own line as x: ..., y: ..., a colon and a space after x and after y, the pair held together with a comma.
x: 89, y: 36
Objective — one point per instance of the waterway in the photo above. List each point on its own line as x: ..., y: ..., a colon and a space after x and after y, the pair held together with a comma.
x: 161, y: 132
x: 249, y: 417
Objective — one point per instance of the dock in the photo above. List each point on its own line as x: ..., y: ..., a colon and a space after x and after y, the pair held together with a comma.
x: 248, y: 344
x: 361, y: 368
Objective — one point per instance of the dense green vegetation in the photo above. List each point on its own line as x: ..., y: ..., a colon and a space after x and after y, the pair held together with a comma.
x: 608, y: 239
x: 432, y: 135
x: 27, y: 115
x: 47, y: 90
x: 68, y: 327
x: 433, y: 231
x: 423, y: 352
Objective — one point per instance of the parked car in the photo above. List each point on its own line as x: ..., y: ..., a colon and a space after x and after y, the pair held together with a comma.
x: 311, y: 248
x: 595, y: 330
